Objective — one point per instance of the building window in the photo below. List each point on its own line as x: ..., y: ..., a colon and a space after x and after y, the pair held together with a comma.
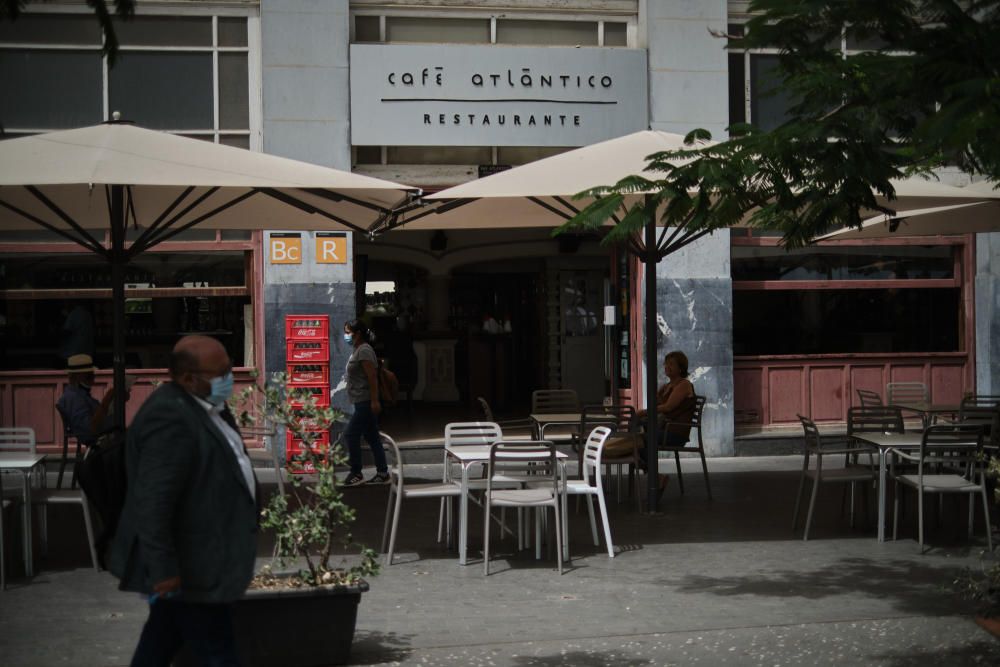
x: 846, y: 299
x: 509, y: 29
x: 187, y: 73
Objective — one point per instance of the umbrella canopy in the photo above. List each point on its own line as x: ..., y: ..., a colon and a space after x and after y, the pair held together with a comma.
x: 55, y: 180
x: 540, y: 194
x: 82, y: 183
x: 982, y: 216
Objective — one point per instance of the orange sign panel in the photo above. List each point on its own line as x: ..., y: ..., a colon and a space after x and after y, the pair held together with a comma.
x: 285, y: 248
x: 331, y: 248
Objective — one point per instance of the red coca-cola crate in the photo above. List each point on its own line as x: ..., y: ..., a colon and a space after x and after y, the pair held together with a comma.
x: 307, y: 327
x: 309, y: 374
x: 294, y: 447
x: 307, y: 351
x: 321, y: 392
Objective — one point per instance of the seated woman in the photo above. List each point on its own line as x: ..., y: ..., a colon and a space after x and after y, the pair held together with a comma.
x: 675, y: 403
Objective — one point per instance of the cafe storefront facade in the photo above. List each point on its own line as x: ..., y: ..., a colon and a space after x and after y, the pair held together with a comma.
x: 433, y: 96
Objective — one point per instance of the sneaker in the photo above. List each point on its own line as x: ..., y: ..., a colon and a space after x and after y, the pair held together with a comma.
x: 354, y: 479
x: 379, y: 478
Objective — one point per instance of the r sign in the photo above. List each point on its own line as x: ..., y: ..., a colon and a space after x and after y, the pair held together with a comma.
x: 331, y: 248
x: 286, y: 248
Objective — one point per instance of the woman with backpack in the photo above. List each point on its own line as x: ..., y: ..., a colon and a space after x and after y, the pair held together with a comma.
x: 362, y: 392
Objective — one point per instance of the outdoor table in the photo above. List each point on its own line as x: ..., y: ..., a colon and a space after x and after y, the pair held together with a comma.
x: 24, y: 463
x: 543, y: 421
x: 467, y: 456
x: 929, y: 410
x: 883, y: 442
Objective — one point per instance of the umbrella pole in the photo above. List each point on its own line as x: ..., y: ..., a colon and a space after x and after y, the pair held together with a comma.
x: 118, y: 261
x: 652, y: 462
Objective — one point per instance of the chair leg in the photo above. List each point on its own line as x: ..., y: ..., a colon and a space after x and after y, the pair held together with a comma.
x: 680, y: 476
x: 90, y: 534
x: 62, y: 463
x: 920, y: 519
x: 798, y: 499
x: 486, y: 536
x: 44, y: 525
x: 559, y: 541
x: 895, y: 512
x: 812, y: 505
x: 395, y: 526
x: 441, y: 519
x: 593, y: 523
x: 852, y: 490
x: 385, y: 527
x: 704, y: 469
x: 986, y: 518
x: 607, y: 528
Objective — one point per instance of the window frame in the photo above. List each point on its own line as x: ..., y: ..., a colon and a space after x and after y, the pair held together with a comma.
x: 964, y: 262
x: 252, y: 49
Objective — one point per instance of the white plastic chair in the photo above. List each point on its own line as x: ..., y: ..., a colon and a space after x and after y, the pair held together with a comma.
x: 459, y: 434
x: 22, y: 440
x: 398, y: 489
x: 592, y: 485
x: 518, y: 460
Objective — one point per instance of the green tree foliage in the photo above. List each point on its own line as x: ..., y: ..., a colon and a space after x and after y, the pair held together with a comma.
x: 313, y: 519
x: 925, y: 95
x: 124, y: 9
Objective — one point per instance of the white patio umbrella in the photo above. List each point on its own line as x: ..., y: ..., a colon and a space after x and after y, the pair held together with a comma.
x: 982, y: 216
x: 540, y: 194
x: 82, y: 183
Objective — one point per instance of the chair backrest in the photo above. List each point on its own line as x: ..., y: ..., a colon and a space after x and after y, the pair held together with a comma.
x: 593, y: 450
x: 869, y: 398
x: 811, y: 437
x: 534, y: 459
x: 620, y: 418
x: 471, y: 433
x: 906, y: 392
x: 396, y: 459
x: 954, y: 445
x: 552, y: 401
x: 17, y: 440
x: 874, y: 419
x: 979, y: 408
x: 487, y: 411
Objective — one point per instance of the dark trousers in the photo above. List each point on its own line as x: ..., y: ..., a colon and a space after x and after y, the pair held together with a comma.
x: 207, y: 629
x: 364, y: 422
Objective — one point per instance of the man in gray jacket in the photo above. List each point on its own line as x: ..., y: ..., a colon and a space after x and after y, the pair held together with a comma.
x: 187, y: 534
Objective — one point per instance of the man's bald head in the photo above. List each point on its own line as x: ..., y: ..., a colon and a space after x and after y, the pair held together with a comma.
x: 197, y: 359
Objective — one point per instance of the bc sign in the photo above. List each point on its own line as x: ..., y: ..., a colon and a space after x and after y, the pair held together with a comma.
x: 285, y: 248
x: 440, y: 95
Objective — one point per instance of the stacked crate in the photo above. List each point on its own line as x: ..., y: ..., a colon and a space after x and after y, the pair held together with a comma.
x: 307, y: 363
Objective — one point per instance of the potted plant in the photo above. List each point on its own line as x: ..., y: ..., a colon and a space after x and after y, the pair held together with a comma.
x: 303, y: 612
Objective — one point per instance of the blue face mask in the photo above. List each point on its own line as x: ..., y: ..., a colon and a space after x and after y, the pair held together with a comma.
x: 348, y: 338
x: 222, y: 389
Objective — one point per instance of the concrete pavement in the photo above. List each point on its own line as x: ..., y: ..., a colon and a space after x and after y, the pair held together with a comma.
x: 721, y: 582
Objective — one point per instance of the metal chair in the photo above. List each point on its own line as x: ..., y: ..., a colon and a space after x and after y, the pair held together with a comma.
x: 622, y: 446
x: 555, y: 401
x: 508, y: 424
x: 695, y: 425
x: 537, y: 460
x: 813, y: 445
x: 869, y: 398
x: 4, y: 504
x: 64, y: 460
x: 949, y: 461
x: 908, y: 392
x: 399, y: 489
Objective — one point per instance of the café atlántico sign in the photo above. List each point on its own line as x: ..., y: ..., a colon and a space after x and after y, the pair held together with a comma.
x: 456, y: 95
